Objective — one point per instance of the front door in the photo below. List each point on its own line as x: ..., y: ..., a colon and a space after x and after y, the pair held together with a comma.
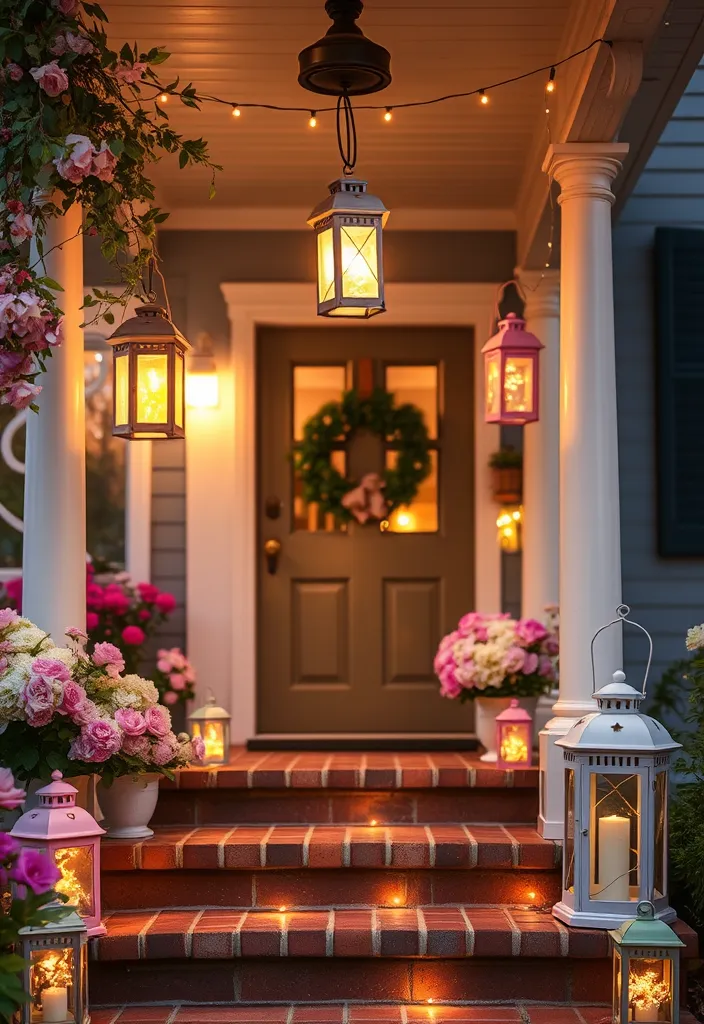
x: 350, y: 619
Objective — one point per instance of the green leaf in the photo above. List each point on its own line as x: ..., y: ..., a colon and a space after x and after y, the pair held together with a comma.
x: 109, y: 318
x: 116, y: 146
x: 159, y: 58
x: 49, y: 282
x: 183, y: 158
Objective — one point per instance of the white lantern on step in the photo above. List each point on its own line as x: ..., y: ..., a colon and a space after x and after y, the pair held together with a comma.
x: 616, y: 764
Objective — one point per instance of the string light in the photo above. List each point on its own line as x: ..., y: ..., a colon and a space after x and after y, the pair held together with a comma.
x: 164, y: 98
x: 312, y: 120
x: 388, y: 114
x: 373, y: 822
x: 550, y: 87
x: 483, y: 98
x: 236, y: 112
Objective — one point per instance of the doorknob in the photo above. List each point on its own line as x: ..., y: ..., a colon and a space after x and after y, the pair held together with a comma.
x: 272, y: 549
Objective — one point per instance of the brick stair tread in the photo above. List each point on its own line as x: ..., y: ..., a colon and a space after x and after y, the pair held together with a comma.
x: 379, y: 932
x: 352, y: 771
x: 335, y: 846
x: 359, y: 1014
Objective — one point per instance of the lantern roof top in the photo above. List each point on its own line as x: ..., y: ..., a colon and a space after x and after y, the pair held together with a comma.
x: 646, y: 930
x: 514, y: 713
x: 349, y: 197
x: 512, y: 334
x: 70, y: 921
x: 150, y: 323
x: 57, y: 816
x: 210, y: 712
x: 618, y: 725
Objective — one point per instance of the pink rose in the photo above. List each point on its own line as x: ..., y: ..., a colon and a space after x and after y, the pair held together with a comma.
x: 78, y: 43
x: 198, y: 748
x: 51, y: 78
x: 59, y: 46
x: 13, y: 589
x: 37, y: 697
x: 133, y: 635
x: 109, y: 656
x: 77, y: 160
x: 73, y: 699
x: 14, y: 71
x: 551, y: 645
x: 469, y: 622
x: 50, y: 668
x: 164, y: 749
x: 104, y: 163
x: 7, y: 617
x: 144, y: 615
x: 158, y: 720
x: 88, y: 712
x: 65, y: 7
x: 10, y: 796
x: 170, y: 697
x: 99, y: 741
x: 8, y: 845
x: 165, y: 603
x: 129, y: 74
x: 136, y: 746
x: 92, y: 621
x: 74, y: 633
x: 546, y: 668
x: 94, y: 595
x: 35, y: 870
x: 117, y: 603
x: 514, y: 660
x: 130, y: 721
x: 177, y: 681
x: 22, y: 227
x: 530, y: 631
x: 21, y: 394
x: 530, y: 665
x: 148, y: 592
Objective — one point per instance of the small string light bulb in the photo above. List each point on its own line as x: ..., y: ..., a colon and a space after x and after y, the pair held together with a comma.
x: 388, y: 114
x: 550, y: 87
x: 282, y: 910
x: 312, y: 120
x: 236, y: 112
x: 164, y: 98
x: 483, y: 98
x: 373, y: 822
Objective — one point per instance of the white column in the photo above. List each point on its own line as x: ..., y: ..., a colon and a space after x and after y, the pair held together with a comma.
x: 54, y: 558
x: 590, y: 546
x: 541, y: 462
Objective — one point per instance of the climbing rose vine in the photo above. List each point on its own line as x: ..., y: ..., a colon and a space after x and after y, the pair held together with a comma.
x: 79, y: 123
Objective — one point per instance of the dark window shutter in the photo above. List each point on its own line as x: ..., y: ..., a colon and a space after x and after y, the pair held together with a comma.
x: 679, y: 264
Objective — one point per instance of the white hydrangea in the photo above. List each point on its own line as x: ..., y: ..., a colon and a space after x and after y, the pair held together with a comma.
x: 11, y: 682
x: 27, y: 638
x: 695, y: 638
x: 62, y: 654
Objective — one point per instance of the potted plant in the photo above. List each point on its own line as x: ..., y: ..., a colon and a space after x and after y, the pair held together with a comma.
x: 490, y: 659
x: 507, y: 476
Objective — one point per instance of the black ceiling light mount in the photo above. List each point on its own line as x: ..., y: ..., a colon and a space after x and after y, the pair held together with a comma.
x: 344, y: 61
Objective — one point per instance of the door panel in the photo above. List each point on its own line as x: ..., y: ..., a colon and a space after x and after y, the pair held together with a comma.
x: 350, y: 622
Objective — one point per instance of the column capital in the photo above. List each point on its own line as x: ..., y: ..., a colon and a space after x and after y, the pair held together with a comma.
x: 585, y: 170
x: 542, y: 292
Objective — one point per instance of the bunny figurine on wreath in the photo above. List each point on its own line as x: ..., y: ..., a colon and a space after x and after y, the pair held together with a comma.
x: 373, y: 498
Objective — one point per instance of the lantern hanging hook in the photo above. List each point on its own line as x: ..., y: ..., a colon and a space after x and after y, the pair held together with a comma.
x: 347, y: 139
x: 622, y: 613
x: 150, y: 294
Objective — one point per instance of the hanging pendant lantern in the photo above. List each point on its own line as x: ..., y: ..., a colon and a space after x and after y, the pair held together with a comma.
x: 348, y: 228
x: 149, y: 376
x: 511, y: 373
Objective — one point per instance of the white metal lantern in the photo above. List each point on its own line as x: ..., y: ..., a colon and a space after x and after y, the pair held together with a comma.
x: 212, y: 724
x: 616, y: 764
x: 646, y: 957
x: 56, y: 972
x: 348, y: 227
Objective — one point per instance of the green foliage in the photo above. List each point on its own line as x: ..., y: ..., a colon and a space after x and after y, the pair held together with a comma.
x: 401, y: 427
x: 506, y: 458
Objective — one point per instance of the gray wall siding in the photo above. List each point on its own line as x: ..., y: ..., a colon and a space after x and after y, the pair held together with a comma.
x: 666, y: 595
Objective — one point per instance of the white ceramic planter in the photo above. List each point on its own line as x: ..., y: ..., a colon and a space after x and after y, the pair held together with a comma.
x: 485, y: 711
x: 128, y: 806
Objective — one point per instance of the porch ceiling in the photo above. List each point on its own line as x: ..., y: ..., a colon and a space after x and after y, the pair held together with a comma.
x: 455, y: 155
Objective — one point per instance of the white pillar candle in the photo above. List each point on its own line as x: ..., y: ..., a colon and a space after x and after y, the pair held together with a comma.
x: 55, y: 1004
x: 647, y: 1013
x: 614, y: 858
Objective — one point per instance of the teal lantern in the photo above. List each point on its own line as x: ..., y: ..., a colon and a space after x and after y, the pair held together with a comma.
x: 646, y: 960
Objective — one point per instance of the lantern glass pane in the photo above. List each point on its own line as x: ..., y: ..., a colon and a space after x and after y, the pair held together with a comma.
x: 51, y: 980
x: 514, y: 742
x: 122, y: 390
x: 615, y: 837
x: 179, y: 390
x: 76, y: 866
x: 360, y: 265
x: 617, y: 988
x: 569, y: 831
x: 660, y: 875
x: 152, y: 387
x: 326, y: 266
x: 518, y: 384
x: 213, y: 734
x: 650, y: 989
x: 493, y: 384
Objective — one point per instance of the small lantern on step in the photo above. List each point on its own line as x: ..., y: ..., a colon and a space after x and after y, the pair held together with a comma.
x: 646, y: 955
x: 616, y: 763
x: 514, y: 737
x: 55, y: 972
x: 511, y: 373
x: 212, y: 724
x: 71, y: 836
x: 149, y: 376
x: 348, y: 226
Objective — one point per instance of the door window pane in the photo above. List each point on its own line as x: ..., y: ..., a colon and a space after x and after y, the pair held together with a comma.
x: 313, y: 386
x: 421, y: 516
x: 309, y: 516
x: 614, y: 837
x: 419, y: 386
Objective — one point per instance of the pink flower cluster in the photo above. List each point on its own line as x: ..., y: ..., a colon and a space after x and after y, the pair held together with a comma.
x: 28, y: 324
x: 497, y: 654
x: 175, y: 676
x: 51, y: 78
x: 81, y: 159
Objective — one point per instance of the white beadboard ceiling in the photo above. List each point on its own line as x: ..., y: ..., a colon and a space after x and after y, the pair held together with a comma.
x: 454, y: 155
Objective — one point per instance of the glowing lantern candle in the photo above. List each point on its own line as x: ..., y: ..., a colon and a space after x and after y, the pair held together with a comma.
x: 149, y: 376
x: 212, y: 724
x: 71, y: 836
x: 646, y: 969
x: 348, y: 226
x: 55, y: 972
x: 514, y: 737
x: 511, y: 373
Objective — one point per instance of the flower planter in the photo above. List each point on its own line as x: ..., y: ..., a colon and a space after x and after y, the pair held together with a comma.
x: 128, y: 805
x: 485, y: 711
x: 507, y: 485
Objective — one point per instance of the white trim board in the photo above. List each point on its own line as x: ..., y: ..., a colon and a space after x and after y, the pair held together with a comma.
x: 221, y: 530
x: 290, y: 218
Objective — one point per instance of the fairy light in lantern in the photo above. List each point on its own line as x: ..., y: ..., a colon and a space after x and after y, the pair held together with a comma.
x: 236, y: 112
x: 313, y: 120
x: 483, y: 98
x: 550, y: 87
x: 388, y: 114
x: 508, y: 524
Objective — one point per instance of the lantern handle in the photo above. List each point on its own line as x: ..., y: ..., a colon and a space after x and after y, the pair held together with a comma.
x: 622, y: 613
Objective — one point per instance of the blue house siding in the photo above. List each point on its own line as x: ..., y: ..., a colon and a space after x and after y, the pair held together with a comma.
x: 665, y: 594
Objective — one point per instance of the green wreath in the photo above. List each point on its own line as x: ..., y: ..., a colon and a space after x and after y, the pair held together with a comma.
x: 401, y: 427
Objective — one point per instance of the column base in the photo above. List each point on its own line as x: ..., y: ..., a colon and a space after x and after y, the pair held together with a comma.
x: 552, y: 773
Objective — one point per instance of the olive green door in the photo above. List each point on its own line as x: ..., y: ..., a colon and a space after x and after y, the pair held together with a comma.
x: 349, y: 618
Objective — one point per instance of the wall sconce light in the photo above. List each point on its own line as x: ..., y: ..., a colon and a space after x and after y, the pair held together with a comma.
x: 202, y: 390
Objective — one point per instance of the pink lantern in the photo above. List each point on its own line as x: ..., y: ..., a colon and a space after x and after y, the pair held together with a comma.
x: 511, y: 373
x: 72, y: 837
x: 514, y: 737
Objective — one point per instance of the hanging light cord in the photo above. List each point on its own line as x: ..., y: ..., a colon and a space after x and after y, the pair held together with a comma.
x: 347, y: 138
x: 205, y: 98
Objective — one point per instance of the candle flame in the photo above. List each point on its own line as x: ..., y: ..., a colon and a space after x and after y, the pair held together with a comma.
x: 647, y: 989
x: 213, y: 740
